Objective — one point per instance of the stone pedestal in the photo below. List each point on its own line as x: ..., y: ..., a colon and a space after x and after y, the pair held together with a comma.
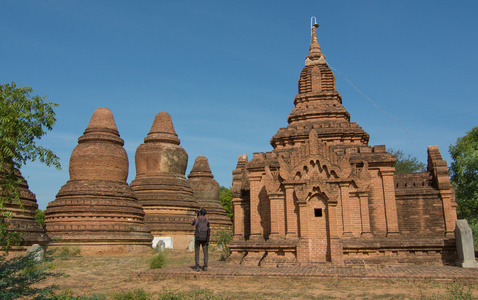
x: 464, y: 245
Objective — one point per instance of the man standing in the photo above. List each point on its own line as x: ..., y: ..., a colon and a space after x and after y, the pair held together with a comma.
x: 201, y: 238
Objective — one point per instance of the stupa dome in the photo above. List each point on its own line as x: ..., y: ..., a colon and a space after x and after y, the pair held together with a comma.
x: 206, y: 192
x: 161, y: 185
x: 23, y: 217
x: 96, y: 209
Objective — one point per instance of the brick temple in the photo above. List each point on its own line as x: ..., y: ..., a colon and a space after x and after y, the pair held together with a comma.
x: 96, y: 210
x: 206, y: 191
x: 323, y: 195
x: 23, y: 218
x: 161, y: 185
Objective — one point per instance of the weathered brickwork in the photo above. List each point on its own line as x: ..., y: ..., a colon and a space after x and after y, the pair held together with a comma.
x: 324, y: 196
x: 23, y: 218
x: 206, y: 192
x: 96, y: 210
x: 161, y: 185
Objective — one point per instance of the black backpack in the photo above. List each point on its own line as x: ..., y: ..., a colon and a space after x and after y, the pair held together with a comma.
x: 202, y: 229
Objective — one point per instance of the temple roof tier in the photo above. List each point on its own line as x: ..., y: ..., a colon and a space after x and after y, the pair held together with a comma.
x: 318, y: 106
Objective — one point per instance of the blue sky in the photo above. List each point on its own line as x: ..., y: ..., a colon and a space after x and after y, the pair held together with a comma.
x: 227, y: 71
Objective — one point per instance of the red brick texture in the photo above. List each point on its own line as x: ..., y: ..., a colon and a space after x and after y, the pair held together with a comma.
x: 324, y: 196
x: 23, y: 218
x: 96, y: 210
x: 206, y: 192
x: 161, y: 185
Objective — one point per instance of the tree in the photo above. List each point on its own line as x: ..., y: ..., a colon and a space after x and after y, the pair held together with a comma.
x: 40, y: 216
x: 19, y: 275
x: 23, y: 120
x: 406, y: 164
x: 464, y: 175
x: 225, y: 196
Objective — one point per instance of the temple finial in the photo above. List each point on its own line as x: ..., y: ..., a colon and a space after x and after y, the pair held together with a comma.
x: 313, y: 22
x: 315, y: 54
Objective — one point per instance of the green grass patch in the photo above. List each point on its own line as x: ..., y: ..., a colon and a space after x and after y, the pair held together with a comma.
x: 158, y: 261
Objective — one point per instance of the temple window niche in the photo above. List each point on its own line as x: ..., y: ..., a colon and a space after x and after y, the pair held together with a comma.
x: 318, y: 212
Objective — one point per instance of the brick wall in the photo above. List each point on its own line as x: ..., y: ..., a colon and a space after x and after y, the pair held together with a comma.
x: 420, y: 208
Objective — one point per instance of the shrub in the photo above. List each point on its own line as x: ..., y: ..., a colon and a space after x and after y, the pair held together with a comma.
x: 474, y: 228
x: 222, y: 237
x: 76, y: 251
x: 40, y: 216
x: 199, y: 294
x: 19, y: 274
x: 8, y: 238
x: 158, y: 261
x: 459, y: 291
x: 67, y: 252
x: 137, y: 294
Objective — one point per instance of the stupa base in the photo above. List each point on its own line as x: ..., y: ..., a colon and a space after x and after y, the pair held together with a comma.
x: 100, y: 249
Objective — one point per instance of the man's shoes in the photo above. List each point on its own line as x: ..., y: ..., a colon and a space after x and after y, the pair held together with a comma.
x: 196, y: 268
x: 204, y: 268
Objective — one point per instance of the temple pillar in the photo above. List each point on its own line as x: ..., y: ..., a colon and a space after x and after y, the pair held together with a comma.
x: 304, y: 218
x: 346, y: 213
x: 239, y: 217
x: 255, y: 185
x: 449, y: 213
x: 291, y: 215
x: 303, y: 252
x: 277, y: 216
x: 364, y: 214
x: 389, y: 200
x: 333, y: 220
x: 336, y: 251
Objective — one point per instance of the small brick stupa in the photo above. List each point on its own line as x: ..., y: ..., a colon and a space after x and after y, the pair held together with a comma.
x: 323, y: 195
x: 161, y: 185
x: 96, y: 210
x: 206, y: 192
x: 24, y: 220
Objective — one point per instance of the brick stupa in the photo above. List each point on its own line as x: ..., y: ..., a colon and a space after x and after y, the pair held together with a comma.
x: 23, y: 220
x: 206, y: 192
x: 161, y: 185
x: 96, y: 210
x: 323, y: 195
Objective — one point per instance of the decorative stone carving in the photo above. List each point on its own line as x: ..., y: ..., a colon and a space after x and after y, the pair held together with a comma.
x: 161, y: 185
x: 239, y: 177
x: 271, y: 180
x: 96, y: 210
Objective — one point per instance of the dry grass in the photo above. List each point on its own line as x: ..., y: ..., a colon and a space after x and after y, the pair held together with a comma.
x: 105, y: 276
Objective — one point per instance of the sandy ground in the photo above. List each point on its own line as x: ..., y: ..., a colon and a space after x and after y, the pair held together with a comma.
x: 107, y: 275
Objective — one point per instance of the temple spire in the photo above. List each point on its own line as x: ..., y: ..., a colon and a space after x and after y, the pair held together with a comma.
x: 315, y: 55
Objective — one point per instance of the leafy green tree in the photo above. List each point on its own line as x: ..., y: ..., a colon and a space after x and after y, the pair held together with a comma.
x: 8, y: 238
x: 24, y: 119
x: 40, y: 216
x: 406, y: 164
x: 464, y: 175
x: 18, y: 274
x: 225, y: 196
